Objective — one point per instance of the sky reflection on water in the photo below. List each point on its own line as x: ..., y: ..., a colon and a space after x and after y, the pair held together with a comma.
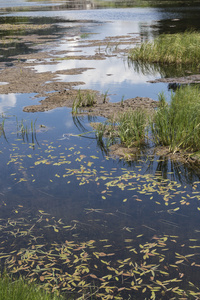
x: 67, y: 175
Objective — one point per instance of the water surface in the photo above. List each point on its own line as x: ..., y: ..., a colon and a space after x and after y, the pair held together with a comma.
x: 58, y: 184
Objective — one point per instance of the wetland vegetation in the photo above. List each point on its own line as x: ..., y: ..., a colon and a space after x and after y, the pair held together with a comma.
x: 20, y: 289
x: 174, y: 125
x: 76, y: 221
x: 179, y: 48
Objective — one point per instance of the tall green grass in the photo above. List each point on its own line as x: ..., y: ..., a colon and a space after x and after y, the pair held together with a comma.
x: 177, y: 125
x: 132, y: 127
x: 129, y: 127
x: 179, y: 48
x: 22, y: 290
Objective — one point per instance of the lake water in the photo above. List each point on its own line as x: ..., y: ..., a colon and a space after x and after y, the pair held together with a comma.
x: 73, y: 217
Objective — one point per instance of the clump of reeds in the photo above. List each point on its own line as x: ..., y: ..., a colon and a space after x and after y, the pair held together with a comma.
x: 179, y: 48
x: 132, y: 126
x: 21, y: 290
x: 129, y: 128
x: 177, y: 125
x: 83, y: 100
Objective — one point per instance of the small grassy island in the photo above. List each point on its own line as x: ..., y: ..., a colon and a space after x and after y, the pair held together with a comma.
x: 175, y: 126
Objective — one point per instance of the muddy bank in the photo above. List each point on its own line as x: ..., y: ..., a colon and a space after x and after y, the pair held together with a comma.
x: 26, y: 80
x: 102, y: 106
x: 190, y: 79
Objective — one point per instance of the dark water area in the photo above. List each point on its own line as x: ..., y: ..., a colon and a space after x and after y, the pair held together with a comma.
x: 71, y: 212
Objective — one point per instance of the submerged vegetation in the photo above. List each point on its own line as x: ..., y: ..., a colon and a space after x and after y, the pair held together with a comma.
x: 179, y: 48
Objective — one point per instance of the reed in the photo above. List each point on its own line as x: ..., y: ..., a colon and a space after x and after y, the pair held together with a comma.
x: 179, y: 48
x: 177, y: 125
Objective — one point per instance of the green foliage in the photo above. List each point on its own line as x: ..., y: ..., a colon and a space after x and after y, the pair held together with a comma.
x: 179, y: 48
x: 83, y: 99
x: 21, y: 290
x: 105, y: 99
x: 132, y: 127
x: 177, y: 125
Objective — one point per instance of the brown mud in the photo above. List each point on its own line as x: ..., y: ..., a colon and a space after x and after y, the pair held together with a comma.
x: 190, y: 79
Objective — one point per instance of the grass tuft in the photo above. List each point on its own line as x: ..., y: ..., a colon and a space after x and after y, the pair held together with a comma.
x: 179, y: 48
x: 129, y: 128
x: 21, y: 290
x: 177, y: 125
x: 132, y: 127
x: 83, y: 100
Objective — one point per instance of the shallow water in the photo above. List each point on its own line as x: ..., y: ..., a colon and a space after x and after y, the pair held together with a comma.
x: 58, y: 168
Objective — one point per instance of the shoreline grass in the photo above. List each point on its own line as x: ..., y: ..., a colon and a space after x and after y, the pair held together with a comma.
x: 21, y: 289
x: 179, y: 48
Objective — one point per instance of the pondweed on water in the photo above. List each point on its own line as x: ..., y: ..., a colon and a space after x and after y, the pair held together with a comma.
x: 170, y: 48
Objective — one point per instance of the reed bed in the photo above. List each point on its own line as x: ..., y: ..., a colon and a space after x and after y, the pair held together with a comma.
x: 179, y: 48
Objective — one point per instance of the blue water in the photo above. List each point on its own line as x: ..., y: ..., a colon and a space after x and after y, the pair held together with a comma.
x: 59, y: 168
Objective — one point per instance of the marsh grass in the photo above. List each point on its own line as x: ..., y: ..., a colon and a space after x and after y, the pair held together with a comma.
x: 21, y: 290
x: 83, y: 100
x: 132, y: 127
x: 179, y: 48
x: 177, y: 125
x: 129, y: 128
